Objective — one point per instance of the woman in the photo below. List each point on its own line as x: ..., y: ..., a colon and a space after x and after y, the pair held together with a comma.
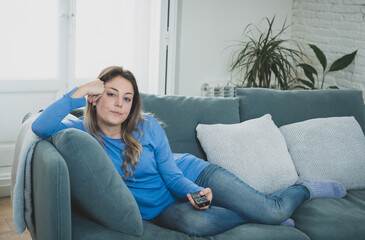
x: 139, y: 149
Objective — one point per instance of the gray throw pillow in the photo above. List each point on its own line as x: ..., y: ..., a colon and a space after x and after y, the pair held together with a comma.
x: 254, y: 150
x: 328, y: 148
x: 97, y: 190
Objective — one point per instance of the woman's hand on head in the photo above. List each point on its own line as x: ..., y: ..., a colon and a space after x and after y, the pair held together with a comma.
x: 93, y: 90
x: 207, y: 192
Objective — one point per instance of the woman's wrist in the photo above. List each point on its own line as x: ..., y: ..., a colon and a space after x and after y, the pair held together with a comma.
x: 79, y: 93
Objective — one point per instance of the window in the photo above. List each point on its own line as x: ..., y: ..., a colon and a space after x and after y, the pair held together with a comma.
x: 71, y: 41
x: 28, y: 43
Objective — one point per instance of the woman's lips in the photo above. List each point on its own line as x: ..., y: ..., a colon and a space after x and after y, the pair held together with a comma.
x: 117, y: 113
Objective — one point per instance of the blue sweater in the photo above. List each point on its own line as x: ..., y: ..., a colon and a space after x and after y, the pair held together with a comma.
x: 158, y: 179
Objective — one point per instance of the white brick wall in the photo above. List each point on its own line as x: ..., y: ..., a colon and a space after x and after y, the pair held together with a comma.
x: 337, y: 27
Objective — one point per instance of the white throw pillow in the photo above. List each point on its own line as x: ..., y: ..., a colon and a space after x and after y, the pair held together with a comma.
x: 328, y: 148
x: 254, y: 150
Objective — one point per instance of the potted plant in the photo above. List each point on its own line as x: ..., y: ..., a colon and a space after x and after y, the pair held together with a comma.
x: 311, y: 73
x: 260, y: 60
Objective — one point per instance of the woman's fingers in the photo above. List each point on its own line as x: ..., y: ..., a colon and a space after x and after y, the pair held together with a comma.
x: 191, y: 200
x: 93, y: 98
x: 208, y: 193
x: 97, y: 97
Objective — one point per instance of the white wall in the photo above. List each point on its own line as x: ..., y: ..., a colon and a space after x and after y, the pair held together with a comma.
x: 19, y: 98
x: 207, y: 27
x: 337, y: 27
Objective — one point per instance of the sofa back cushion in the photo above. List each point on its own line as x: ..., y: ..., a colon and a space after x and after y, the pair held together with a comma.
x: 288, y: 107
x: 254, y: 150
x: 328, y: 148
x: 97, y: 190
x: 181, y: 115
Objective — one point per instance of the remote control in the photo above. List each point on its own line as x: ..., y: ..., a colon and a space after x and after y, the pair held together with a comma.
x: 201, y: 201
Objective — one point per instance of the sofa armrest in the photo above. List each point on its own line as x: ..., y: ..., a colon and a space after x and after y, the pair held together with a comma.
x: 51, y: 194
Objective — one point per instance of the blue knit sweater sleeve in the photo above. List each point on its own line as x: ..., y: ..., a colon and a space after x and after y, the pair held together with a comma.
x: 52, y: 119
x: 174, y: 179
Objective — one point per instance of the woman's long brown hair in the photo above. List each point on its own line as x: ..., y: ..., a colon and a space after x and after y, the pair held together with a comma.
x: 133, y: 149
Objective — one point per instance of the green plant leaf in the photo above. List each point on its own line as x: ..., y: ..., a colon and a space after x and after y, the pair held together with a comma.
x: 261, y: 56
x: 333, y: 87
x: 308, y: 71
x: 320, y: 55
x: 342, y: 62
x: 308, y: 68
x: 307, y: 83
x: 269, y: 30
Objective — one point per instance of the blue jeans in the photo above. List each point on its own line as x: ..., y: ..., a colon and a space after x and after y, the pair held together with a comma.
x: 234, y: 203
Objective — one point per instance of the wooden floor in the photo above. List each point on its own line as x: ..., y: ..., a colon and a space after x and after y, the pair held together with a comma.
x: 7, y: 231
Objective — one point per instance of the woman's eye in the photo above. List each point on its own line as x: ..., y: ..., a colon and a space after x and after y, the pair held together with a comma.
x: 111, y: 94
x: 127, y: 99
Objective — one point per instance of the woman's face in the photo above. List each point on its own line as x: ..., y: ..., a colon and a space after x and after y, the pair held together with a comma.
x: 115, y: 104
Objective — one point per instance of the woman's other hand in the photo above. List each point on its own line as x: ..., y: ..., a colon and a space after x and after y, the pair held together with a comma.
x: 93, y: 90
x: 207, y: 192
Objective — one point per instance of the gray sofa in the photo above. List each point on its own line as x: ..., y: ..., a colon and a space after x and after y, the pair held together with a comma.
x: 56, y: 218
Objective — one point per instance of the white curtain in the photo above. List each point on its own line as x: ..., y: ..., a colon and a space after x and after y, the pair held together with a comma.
x: 118, y: 32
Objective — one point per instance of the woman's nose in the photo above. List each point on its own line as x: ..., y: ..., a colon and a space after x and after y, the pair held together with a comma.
x: 119, y: 102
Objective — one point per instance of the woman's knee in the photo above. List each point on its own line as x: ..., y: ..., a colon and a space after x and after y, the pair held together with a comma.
x: 184, y: 218
x: 198, y: 223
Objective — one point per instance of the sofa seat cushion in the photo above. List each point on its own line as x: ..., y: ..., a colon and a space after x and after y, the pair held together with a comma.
x: 182, y: 114
x: 294, y: 106
x: 85, y: 229
x: 333, y: 218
